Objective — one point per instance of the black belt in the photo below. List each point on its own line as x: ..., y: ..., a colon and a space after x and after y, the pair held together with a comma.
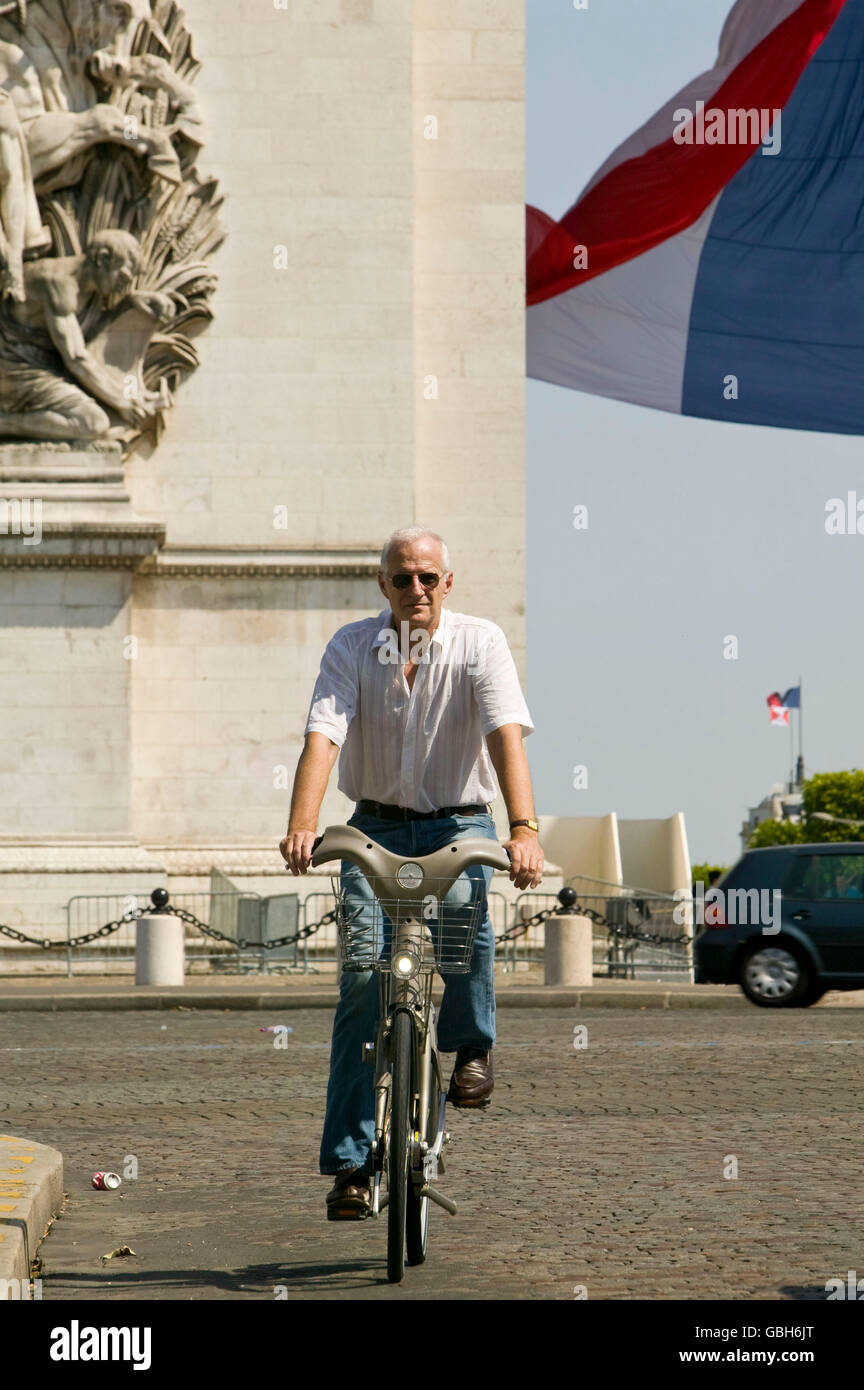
x: 404, y: 813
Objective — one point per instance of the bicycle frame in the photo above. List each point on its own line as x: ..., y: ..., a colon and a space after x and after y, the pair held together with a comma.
x: 428, y: 1133
x: 404, y: 881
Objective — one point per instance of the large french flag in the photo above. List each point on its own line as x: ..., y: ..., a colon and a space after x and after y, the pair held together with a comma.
x: 717, y: 279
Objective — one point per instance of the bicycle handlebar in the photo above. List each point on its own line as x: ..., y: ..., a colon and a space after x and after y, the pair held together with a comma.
x: 445, y: 864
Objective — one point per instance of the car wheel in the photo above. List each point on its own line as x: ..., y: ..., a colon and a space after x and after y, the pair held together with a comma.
x: 775, y: 977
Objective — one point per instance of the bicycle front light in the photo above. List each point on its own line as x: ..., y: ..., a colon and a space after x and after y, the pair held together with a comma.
x: 405, y: 964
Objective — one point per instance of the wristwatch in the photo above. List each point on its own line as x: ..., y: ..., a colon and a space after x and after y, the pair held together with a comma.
x: 531, y: 824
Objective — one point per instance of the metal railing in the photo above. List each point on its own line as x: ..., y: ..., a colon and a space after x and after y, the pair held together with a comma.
x: 629, y: 915
x: 236, y: 914
x: 637, y: 933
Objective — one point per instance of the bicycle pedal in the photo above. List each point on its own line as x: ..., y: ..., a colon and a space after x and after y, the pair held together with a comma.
x: 335, y: 1213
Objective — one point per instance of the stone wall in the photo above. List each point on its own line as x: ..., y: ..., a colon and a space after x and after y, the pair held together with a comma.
x: 64, y: 703
x: 469, y: 298
x: 304, y: 396
x: 222, y: 684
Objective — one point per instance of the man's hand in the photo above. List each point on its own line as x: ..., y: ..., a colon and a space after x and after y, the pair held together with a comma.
x: 526, y: 858
x: 296, y: 850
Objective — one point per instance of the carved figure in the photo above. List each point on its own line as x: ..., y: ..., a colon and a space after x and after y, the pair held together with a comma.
x: 99, y: 130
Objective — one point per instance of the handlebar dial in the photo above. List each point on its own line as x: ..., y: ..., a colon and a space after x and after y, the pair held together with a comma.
x: 409, y: 875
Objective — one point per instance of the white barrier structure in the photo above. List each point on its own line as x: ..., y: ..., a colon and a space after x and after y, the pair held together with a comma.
x: 652, y: 853
x: 568, y: 954
x: 160, y: 951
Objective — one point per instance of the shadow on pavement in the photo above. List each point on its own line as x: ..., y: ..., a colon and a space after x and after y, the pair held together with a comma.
x: 252, y: 1279
x: 808, y: 1293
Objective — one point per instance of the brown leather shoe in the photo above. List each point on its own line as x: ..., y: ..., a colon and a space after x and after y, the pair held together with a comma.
x: 350, y: 1198
x: 471, y: 1084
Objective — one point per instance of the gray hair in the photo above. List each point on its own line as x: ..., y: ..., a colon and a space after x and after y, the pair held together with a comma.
x: 407, y: 536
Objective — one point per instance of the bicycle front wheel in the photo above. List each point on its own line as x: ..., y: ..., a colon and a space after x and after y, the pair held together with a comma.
x: 417, y: 1223
x: 399, y: 1147
x: 417, y: 1215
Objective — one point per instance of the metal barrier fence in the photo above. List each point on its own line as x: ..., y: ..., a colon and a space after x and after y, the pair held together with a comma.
x: 636, y: 932
x: 236, y: 914
x: 628, y: 914
x: 247, y: 916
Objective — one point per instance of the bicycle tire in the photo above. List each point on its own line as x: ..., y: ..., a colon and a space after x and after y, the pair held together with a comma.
x: 419, y: 1208
x: 401, y: 1092
x: 416, y: 1226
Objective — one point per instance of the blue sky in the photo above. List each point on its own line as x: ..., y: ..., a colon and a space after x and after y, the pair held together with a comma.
x: 698, y: 529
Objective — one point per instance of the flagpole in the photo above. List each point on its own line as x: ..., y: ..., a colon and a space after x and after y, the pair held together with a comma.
x: 801, y: 726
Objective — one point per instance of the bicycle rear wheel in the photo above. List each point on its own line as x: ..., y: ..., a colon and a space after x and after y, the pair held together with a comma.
x: 401, y: 1095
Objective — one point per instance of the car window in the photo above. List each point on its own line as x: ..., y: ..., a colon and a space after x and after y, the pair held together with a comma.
x: 826, y: 876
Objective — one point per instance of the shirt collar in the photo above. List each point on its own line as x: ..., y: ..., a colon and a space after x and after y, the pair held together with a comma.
x: 440, y: 637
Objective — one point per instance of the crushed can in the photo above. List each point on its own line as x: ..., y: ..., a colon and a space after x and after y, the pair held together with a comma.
x: 105, y: 1182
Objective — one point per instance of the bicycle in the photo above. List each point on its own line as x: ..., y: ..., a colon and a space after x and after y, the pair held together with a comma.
x: 422, y: 921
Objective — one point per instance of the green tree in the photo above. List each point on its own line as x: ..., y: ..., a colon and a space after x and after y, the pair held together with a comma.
x: 699, y: 872
x: 838, y: 794
x: 777, y: 832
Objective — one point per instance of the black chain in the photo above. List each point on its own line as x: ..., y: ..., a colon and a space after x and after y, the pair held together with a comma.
x: 519, y: 928
x: 108, y: 928
x: 576, y: 909
x: 169, y: 910
x: 241, y: 943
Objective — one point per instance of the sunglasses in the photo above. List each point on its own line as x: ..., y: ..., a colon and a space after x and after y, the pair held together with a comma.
x: 404, y: 581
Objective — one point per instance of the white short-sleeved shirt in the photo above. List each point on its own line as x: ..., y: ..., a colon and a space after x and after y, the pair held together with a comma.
x: 422, y: 748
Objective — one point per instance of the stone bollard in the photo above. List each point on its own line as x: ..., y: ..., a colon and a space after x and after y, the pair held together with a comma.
x: 160, y: 951
x: 568, y: 954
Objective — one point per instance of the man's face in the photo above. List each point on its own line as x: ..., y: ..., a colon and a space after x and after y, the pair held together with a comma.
x: 417, y: 605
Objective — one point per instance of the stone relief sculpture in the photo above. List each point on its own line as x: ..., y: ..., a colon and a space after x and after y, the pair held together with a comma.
x: 105, y: 226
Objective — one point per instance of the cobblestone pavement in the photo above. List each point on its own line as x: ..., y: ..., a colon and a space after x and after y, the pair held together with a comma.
x: 601, y: 1167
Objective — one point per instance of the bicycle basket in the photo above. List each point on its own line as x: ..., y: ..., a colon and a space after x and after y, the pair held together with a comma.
x: 440, y: 929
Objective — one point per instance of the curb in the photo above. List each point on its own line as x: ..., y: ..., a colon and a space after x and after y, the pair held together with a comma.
x: 561, y: 996
x: 514, y: 996
x: 31, y: 1195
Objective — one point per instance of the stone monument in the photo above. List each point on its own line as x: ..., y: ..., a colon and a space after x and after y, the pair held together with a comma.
x: 196, y: 477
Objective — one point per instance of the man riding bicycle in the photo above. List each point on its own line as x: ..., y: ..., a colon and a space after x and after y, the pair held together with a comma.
x: 426, y: 708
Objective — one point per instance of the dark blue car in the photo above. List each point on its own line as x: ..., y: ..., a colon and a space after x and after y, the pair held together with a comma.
x: 786, y: 924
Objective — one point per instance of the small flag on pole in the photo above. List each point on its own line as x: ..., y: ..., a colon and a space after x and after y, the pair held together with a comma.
x: 779, y: 710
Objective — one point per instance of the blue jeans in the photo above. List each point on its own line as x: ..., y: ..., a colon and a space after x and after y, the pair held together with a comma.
x: 467, y: 1017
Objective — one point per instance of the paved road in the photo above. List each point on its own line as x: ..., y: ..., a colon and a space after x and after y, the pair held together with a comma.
x: 601, y: 1167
